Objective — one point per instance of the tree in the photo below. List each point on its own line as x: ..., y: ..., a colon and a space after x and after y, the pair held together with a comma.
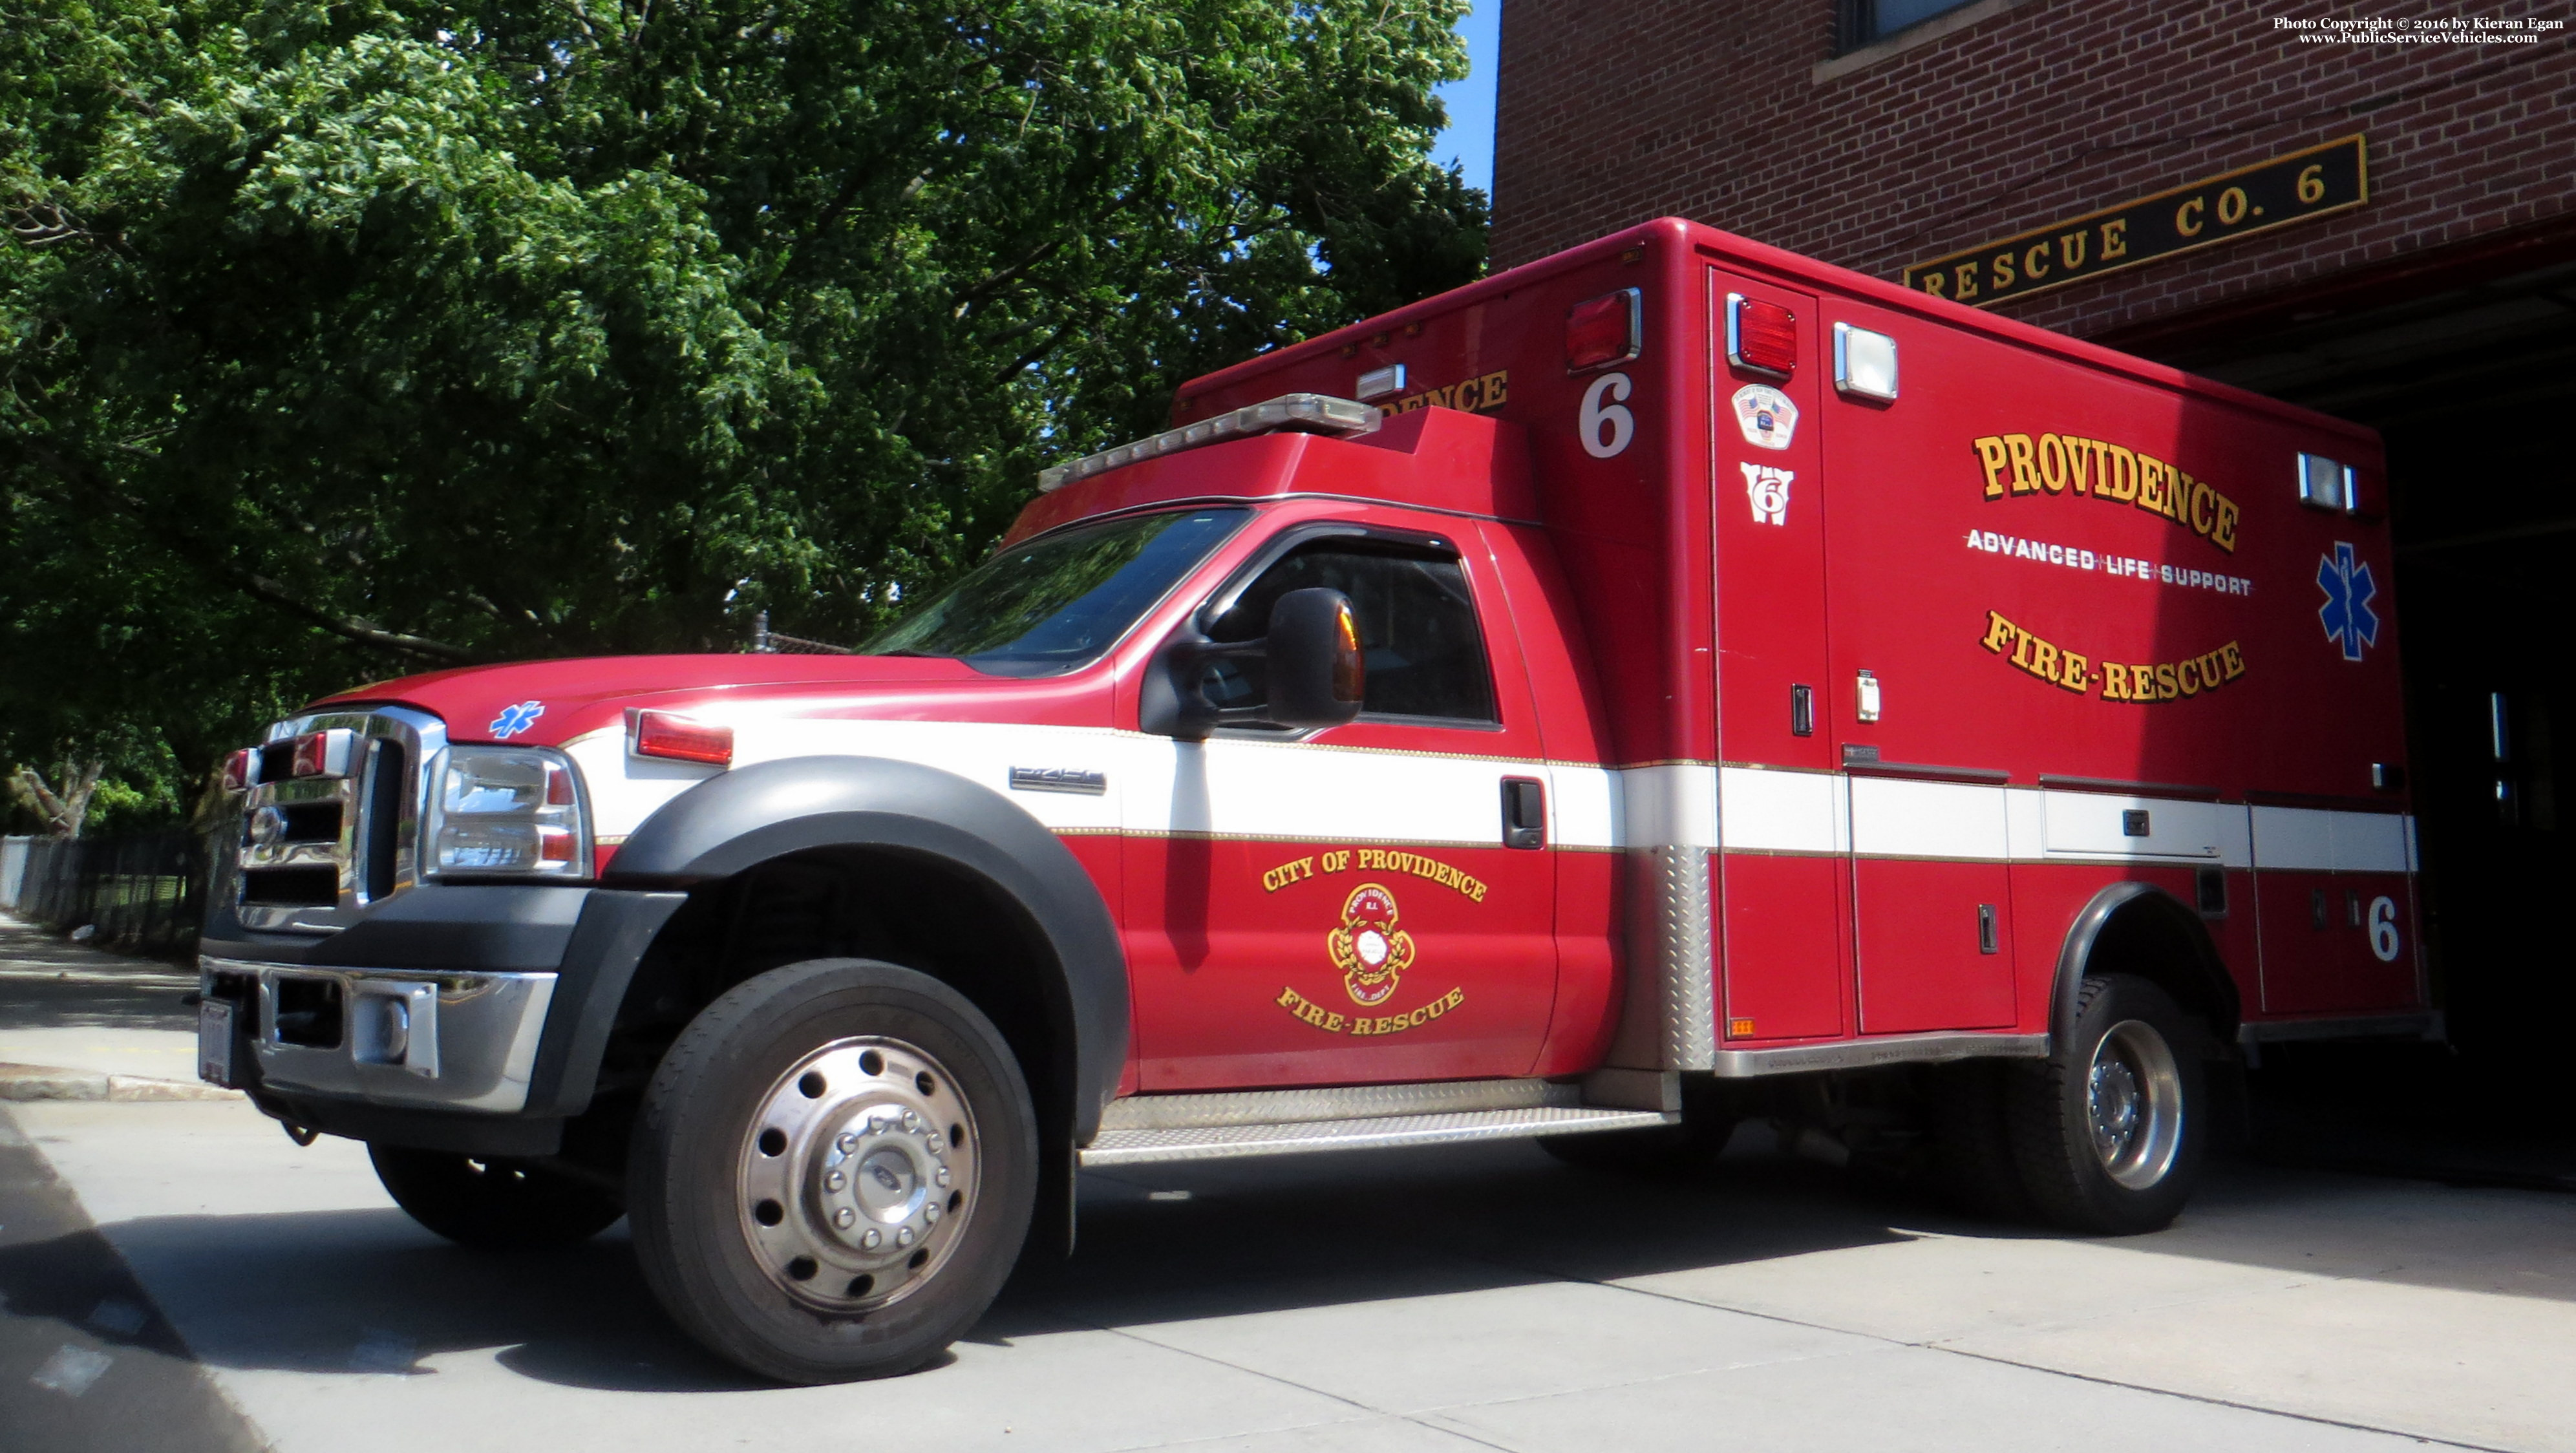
x: 339, y: 340
x: 61, y: 811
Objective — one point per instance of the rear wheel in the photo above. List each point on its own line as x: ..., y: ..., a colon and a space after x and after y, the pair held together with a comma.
x: 833, y: 1172
x: 492, y: 1205
x: 2107, y: 1133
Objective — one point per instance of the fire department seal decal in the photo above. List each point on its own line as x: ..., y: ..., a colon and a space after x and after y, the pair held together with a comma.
x: 1369, y: 949
x: 1765, y: 415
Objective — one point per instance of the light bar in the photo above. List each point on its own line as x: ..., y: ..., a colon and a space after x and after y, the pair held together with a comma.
x: 1319, y: 413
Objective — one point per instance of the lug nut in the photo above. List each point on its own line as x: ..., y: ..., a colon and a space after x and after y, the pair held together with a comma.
x: 911, y: 1121
x: 846, y: 1141
x: 872, y: 1238
x: 903, y: 1236
x: 942, y: 1176
x: 833, y: 1180
x: 843, y: 1217
x: 930, y: 1214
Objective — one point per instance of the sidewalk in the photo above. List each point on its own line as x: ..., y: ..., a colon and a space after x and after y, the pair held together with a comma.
x: 77, y: 1023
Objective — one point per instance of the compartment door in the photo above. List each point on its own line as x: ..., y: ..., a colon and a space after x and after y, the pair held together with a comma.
x: 1780, y: 872
x: 1931, y: 905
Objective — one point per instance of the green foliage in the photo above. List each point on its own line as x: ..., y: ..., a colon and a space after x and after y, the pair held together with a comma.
x: 340, y: 339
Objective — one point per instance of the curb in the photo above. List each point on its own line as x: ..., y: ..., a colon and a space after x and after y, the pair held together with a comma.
x: 38, y: 1082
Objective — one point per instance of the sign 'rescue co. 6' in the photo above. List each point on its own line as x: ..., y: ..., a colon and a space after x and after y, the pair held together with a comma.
x: 2299, y: 187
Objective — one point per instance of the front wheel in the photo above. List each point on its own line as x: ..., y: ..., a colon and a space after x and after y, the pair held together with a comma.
x: 833, y: 1171
x: 2107, y: 1133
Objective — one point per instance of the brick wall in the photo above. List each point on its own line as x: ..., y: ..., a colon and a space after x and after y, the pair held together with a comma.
x: 1611, y: 112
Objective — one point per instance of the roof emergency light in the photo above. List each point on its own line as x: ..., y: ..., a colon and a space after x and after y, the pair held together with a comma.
x: 1377, y: 383
x: 1864, y: 363
x: 1761, y: 337
x: 2328, y: 484
x: 1306, y: 413
x: 1605, y: 330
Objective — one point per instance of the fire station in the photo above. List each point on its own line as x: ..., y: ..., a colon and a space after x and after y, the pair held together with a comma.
x: 2366, y: 213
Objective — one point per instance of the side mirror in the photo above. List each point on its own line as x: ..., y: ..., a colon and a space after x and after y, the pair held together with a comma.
x: 1311, y: 661
x: 1318, y: 675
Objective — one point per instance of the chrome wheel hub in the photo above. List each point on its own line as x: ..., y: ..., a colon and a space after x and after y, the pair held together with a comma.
x: 858, y: 1173
x: 2133, y: 1099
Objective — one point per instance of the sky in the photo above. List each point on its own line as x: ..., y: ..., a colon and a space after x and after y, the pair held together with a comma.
x: 1469, y: 139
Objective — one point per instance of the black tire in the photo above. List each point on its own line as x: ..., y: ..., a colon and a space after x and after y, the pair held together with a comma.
x: 1972, y: 1165
x: 492, y: 1205
x: 745, y: 1227
x: 2119, y: 1185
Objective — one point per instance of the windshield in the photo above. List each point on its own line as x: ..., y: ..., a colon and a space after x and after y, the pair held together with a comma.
x: 1054, y: 603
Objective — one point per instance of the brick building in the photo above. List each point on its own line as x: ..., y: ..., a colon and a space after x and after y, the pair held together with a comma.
x: 2437, y: 304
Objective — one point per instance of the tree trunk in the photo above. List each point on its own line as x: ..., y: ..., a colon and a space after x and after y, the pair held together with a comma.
x: 62, y: 811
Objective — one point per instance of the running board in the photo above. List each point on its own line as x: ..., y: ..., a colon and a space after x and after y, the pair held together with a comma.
x: 1143, y: 1129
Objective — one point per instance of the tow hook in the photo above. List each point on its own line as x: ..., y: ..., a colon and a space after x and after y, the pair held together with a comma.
x: 299, y: 1134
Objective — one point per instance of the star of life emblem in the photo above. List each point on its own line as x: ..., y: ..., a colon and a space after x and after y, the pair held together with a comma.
x: 2347, y: 617
x: 516, y: 719
x: 1767, y: 488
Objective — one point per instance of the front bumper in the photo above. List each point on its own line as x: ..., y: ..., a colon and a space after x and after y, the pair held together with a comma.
x: 400, y: 1037
x: 469, y: 1019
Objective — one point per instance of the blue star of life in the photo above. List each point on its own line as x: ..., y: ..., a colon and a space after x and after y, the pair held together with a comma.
x: 516, y: 719
x: 2349, y: 621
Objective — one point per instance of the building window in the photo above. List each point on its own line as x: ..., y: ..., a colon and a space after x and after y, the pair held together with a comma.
x: 1866, y: 21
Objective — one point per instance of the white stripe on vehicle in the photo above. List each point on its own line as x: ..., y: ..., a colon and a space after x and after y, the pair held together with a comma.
x: 1290, y: 791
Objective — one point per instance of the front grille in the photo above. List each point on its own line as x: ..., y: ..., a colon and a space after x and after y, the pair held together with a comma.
x: 315, y: 850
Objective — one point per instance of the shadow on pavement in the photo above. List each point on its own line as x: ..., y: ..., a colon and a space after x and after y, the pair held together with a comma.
x: 364, y: 1291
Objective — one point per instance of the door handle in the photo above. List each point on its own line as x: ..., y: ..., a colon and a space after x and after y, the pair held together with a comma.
x: 1524, y: 813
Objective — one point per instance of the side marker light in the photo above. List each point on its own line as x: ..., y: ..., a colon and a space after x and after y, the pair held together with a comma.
x: 678, y: 738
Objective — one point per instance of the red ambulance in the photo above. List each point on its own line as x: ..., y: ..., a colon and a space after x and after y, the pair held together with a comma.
x: 1666, y: 684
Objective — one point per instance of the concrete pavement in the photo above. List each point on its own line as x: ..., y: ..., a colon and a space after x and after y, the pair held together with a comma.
x: 180, y: 1276
x: 1482, y: 1296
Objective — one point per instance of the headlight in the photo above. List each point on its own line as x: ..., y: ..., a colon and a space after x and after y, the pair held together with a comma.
x: 507, y: 811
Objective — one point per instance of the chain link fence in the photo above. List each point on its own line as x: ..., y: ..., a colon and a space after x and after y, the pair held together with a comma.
x: 140, y: 893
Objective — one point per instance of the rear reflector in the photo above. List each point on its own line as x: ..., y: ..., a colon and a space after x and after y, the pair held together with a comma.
x: 1605, y: 330
x: 1762, y: 337
x: 681, y: 739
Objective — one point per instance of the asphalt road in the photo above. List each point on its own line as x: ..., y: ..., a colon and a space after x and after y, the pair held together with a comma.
x: 180, y: 1276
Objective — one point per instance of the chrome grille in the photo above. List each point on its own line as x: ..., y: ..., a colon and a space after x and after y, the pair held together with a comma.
x: 315, y: 850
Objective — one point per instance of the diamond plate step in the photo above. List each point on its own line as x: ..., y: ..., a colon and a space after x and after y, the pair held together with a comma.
x: 1139, y: 1146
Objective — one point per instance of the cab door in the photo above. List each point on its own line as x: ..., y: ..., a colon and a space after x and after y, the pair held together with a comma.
x: 1347, y: 906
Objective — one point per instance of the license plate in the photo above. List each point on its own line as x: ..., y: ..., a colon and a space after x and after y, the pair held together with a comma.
x: 215, y: 1041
